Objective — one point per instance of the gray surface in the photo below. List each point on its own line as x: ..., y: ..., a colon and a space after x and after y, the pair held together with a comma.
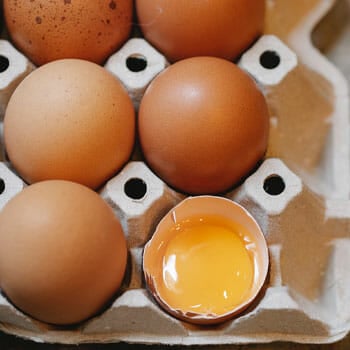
x: 332, y: 36
x: 11, y: 343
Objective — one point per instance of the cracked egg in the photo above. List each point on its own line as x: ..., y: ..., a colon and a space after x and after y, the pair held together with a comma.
x: 207, y: 260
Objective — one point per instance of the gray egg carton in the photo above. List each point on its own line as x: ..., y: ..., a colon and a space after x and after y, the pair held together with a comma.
x: 299, y: 195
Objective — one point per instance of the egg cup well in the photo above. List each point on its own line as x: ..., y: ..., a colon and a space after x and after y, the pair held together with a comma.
x: 299, y: 196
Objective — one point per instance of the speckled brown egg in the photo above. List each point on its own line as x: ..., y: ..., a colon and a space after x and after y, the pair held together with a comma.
x: 48, y: 30
x: 72, y: 120
x: 187, y: 28
x: 63, y: 253
x: 203, y: 125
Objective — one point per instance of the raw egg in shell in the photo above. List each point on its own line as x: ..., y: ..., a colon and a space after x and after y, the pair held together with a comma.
x: 206, y: 261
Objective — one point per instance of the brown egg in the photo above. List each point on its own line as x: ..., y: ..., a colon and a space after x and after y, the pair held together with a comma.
x: 1, y: 18
x: 62, y: 252
x: 187, y: 28
x: 203, y: 125
x: 206, y: 261
x: 49, y: 30
x: 70, y: 120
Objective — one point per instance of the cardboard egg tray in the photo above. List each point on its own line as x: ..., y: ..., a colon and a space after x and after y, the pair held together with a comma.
x: 299, y: 195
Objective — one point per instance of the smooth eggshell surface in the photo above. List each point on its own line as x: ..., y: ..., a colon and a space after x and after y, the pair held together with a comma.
x: 49, y: 30
x: 62, y: 252
x: 203, y: 125
x: 187, y: 28
x: 69, y: 120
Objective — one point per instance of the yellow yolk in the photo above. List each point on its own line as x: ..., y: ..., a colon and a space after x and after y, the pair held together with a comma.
x: 208, y: 266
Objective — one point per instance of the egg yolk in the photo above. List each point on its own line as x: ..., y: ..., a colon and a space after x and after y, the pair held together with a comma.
x: 208, y: 266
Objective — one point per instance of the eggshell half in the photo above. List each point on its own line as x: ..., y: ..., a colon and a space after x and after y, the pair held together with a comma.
x: 203, y: 205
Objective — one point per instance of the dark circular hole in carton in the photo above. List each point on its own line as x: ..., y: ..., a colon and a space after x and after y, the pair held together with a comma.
x: 136, y: 63
x: 2, y: 186
x: 135, y: 188
x: 4, y: 63
x: 270, y: 59
x: 274, y: 185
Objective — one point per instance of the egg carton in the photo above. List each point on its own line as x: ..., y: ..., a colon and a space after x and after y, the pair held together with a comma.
x: 300, y: 196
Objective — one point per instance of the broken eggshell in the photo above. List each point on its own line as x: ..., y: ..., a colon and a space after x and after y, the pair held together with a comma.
x: 154, y: 252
